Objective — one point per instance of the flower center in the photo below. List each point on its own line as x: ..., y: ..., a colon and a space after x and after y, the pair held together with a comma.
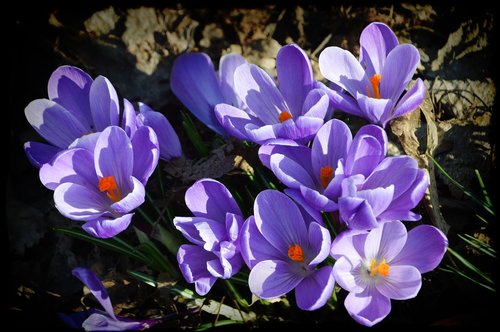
x: 382, y: 268
x: 325, y: 175
x: 375, y: 82
x: 284, y: 116
x: 108, y: 184
x: 295, y: 253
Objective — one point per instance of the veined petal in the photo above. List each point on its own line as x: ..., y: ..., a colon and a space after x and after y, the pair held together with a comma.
x: 356, y: 213
x: 193, y: 265
x: 146, y: 153
x: 201, y: 231
x: 402, y: 283
x: 132, y: 200
x: 272, y: 278
x: 234, y: 120
x: 314, y: 291
x: 344, y: 102
x: 309, y: 212
x: 227, y: 65
x: 262, y: 134
x: 378, y: 133
x: 412, y: 99
x: 78, y: 202
x: 40, y: 153
x: 316, y: 104
x: 104, y: 104
x: 376, y: 41
x: 290, y: 172
x: 306, y: 128
x: 129, y: 118
x: 349, y: 243
x: 107, y: 227
x: 378, y: 198
x: 87, y: 142
x: 367, y: 308
x: 320, y: 242
x: 364, y: 155
x: 345, y: 272
x: 317, y: 200
x: 386, y: 241
x: 299, y: 153
x: 377, y: 111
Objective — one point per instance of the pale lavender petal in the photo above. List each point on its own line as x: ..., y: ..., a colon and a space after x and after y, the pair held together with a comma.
x: 279, y: 220
x: 272, y: 278
x: 307, y: 127
x: 256, y: 88
x: 75, y: 166
x: 106, y: 227
x: 54, y: 123
x: 193, y: 80
x: 290, y: 172
x: 69, y: 87
x: 376, y: 41
x: 230, y: 259
x: 402, y: 283
x: 356, y: 213
x: 399, y: 68
x: 316, y: 105
x: 317, y: 200
x: 320, y: 242
x: 129, y: 118
x: 94, y: 284
x: 235, y: 120
x: 424, y: 248
x: 386, y: 241
x: 375, y: 110
x: 411, y: 99
x: 314, y: 291
x: 342, y: 68
x: 378, y: 198
x: 101, y: 322
x: 364, y: 155
x: 104, y: 104
x: 78, y: 202
x: 215, y: 268
x: 295, y: 83
x: 263, y: 134
x: 367, y: 308
x: 132, y: 200
x: 234, y: 222
x: 86, y: 142
x: 398, y: 214
x: 210, y: 199
x: 346, y: 271
x: 344, y: 102
x: 290, y: 148
x: 310, y: 213
x: 376, y: 132
x: 146, y: 153
x: 349, y: 243
x: 254, y: 247
x: 168, y: 141
x: 192, y: 261
x: 40, y: 153
x: 227, y: 65
x: 201, y: 231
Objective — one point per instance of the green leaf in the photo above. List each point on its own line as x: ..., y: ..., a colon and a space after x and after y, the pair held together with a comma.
x: 206, y: 326
x: 470, y: 266
x: 148, y: 248
x: 193, y: 135
x: 145, y: 278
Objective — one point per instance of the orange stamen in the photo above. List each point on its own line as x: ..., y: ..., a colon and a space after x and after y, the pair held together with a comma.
x: 108, y: 184
x: 295, y: 253
x: 382, y: 268
x: 375, y: 82
x: 325, y: 176
x: 284, y: 116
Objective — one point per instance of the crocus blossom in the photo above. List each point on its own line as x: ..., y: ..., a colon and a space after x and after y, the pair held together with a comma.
x: 284, y: 251
x: 375, y: 84
x: 102, y: 181
x: 295, y: 111
x: 197, y: 85
x: 214, y: 234
x: 384, y: 264
x: 350, y: 175
x: 105, y: 320
x: 79, y: 106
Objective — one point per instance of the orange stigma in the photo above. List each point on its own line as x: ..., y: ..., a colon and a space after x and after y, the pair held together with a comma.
x: 108, y: 185
x: 284, y: 116
x: 382, y: 268
x: 325, y: 175
x: 375, y: 82
x: 295, y: 253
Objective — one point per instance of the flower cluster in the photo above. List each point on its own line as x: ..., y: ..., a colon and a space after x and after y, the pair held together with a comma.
x: 99, y: 161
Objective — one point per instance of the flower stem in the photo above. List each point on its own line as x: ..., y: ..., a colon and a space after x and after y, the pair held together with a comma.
x: 235, y: 294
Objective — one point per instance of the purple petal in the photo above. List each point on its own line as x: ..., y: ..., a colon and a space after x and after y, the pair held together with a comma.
x: 193, y: 80
x: 272, y: 278
x: 39, y: 153
x: 114, y: 156
x: 378, y: 198
x: 376, y: 111
x: 367, y: 308
x: 346, y: 274
x: 344, y: 102
x: 70, y: 87
x: 210, y: 199
x: 308, y: 212
x: 54, y: 123
x: 376, y: 41
x: 402, y: 283
x: 201, y: 231
x: 234, y: 222
x: 313, y: 292
x: 90, y: 279
x: 263, y: 134
x: 342, y: 68
x: 364, y: 155
x: 256, y: 88
x: 235, y: 120
x: 399, y: 68
x: 193, y: 265
x: 86, y: 142
x: 290, y: 172
x: 320, y: 243
x: 357, y: 213
x: 168, y: 141
x: 78, y: 202
x: 316, y: 105
x: 132, y: 200
x: 317, y: 200
x: 254, y: 247
x: 424, y: 248
x: 306, y: 127
x: 230, y: 259
x: 349, y: 243
x: 146, y: 153
x: 290, y: 148
x: 411, y: 99
x: 294, y: 83
x: 104, y: 104
x: 386, y: 241
x: 101, y: 322
x: 227, y: 65
x: 129, y: 118
x: 279, y: 220
x: 75, y: 166
x: 106, y: 228
x: 378, y: 133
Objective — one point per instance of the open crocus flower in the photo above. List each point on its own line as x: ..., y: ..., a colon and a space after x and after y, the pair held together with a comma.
x: 197, y: 85
x: 102, y: 183
x: 283, y: 252
x: 214, y: 234
x: 79, y: 106
x: 296, y: 111
x: 384, y: 264
x: 349, y: 175
x: 376, y: 83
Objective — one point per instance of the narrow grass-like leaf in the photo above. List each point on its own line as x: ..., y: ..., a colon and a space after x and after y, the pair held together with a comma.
x: 147, y: 279
x: 469, y: 265
x: 479, y: 245
x: 206, y: 326
x: 193, y: 135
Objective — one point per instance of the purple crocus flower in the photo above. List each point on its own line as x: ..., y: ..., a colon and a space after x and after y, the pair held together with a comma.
x: 384, y: 264
x: 102, y: 180
x: 78, y: 106
x: 283, y: 252
x: 376, y: 83
x: 105, y: 320
x: 349, y: 175
x: 296, y: 111
x: 197, y: 85
x: 214, y: 234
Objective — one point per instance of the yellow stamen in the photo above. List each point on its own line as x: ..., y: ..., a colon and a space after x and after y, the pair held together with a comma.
x: 325, y: 175
x: 382, y: 268
x: 295, y: 253
x: 108, y: 184
x: 375, y: 82
x: 284, y: 116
